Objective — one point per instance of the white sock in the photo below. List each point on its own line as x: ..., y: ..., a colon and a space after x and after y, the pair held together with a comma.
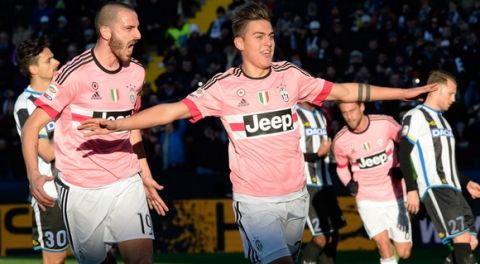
x: 390, y: 260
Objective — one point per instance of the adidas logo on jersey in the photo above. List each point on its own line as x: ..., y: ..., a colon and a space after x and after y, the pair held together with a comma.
x: 96, y: 96
x: 243, y: 102
x: 373, y: 161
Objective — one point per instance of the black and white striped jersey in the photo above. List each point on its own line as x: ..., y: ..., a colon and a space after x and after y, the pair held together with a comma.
x: 24, y: 107
x: 433, y: 158
x: 313, y: 127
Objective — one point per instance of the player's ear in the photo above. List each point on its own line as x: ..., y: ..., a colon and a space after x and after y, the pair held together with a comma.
x: 105, y: 32
x: 239, y: 44
x: 33, y: 69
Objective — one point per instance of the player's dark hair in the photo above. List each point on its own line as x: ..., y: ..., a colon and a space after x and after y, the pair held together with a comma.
x: 108, y: 12
x: 246, y: 13
x: 27, y: 53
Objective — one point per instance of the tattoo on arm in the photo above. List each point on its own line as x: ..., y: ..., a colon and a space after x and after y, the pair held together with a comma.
x: 367, y: 96
x: 360, y: 92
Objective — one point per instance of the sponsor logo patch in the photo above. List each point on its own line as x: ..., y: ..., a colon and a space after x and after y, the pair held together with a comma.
x: 373, y: 160
x: 268, y: 123
x: 315, y: 131
x: 441, y: 132
x: 112, y: 115
x: 51, y: 92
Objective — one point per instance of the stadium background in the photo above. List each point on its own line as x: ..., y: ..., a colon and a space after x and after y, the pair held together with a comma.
x: 390, y: 43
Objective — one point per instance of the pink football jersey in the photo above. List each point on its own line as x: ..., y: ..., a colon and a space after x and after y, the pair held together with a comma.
x: 370, y: 155
x: 84, y: 89
x: 260, y: 118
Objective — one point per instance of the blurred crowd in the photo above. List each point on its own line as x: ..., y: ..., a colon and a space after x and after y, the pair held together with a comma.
x: 387, y: 43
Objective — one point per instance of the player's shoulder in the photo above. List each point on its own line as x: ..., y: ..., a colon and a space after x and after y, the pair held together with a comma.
x: 26, y: 97
x: 136, y: 63
x: 223, y: 77
x: 74, y: 66
x: 341, y: 134
x: 282, y: 66
x: 414, y: 111
x: 382, y: 119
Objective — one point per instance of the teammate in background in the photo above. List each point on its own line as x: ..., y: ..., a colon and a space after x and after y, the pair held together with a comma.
x: 367, y: 164
x: 428, y: 162
x: 37, y: 62
x: 325, y: 217
x: 102, y: 181
x: 256, y: 104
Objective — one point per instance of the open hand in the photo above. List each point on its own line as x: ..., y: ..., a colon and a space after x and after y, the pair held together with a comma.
x: 413, y: 202
x: 97, y: 126
x: 153, y: 198
x: 474, y: 189
x: 36, y: 188
x: 415, y: 93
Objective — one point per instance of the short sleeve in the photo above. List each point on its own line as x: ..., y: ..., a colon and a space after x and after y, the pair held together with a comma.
x: 413, y: 127
x: 57, y: 97
x: 205, y: 101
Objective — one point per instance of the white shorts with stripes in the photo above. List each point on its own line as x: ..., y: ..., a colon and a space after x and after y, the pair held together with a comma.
x: 96, y: 218
x: 391, y: 216
x: 271, y: 228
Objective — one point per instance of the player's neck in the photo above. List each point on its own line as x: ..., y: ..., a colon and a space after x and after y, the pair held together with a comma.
x: 254, y: 72
x: 431, y: 102
x: 39, y: 85
x: 363, y: 125
x: 105, y: 56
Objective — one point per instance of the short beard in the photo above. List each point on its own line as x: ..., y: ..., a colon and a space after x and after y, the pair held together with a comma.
x: 116, y: 45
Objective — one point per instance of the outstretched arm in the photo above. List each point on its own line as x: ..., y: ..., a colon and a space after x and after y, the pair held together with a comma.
x: 160, y: 114
x: 359, y: 92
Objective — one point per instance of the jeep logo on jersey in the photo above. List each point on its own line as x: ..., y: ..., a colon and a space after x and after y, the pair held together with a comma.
x: 268, y: 123
x: 312, y: 131
x: 373, y: 161
x: 439, y: 132
x: 112, y: 115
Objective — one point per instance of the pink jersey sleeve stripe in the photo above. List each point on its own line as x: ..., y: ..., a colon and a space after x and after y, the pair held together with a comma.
x: 327, y: 87
x: 342, y: 165
x: 194, y: 112
x: 237, y: 126
x: 77, y: 117
x: 50, y: 111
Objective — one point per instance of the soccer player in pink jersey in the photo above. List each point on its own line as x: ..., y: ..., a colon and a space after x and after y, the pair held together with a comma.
x: 104, y: 183
x: 367, y: 164
x: 256, y: 104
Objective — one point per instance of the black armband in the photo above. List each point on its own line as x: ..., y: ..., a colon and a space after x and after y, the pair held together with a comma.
x: 360, y: 92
